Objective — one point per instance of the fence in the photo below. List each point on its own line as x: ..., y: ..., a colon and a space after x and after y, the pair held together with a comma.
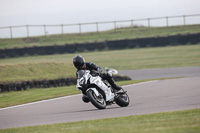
x: 25, y: 30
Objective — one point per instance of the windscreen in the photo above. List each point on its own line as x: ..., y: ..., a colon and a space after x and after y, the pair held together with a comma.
x: 80, y: 73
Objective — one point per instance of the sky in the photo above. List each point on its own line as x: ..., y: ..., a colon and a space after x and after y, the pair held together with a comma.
x: 23, y: 12
x: 30, y: 12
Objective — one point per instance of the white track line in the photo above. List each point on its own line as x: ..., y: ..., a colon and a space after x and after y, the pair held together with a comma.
x: 67, y: 96
x: 38, y: 102
x: 140, y: 83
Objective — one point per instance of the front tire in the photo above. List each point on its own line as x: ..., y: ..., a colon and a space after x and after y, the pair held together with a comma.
x: 97, y: 101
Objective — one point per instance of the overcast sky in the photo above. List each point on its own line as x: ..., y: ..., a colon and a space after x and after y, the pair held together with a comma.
x: 23, y: 12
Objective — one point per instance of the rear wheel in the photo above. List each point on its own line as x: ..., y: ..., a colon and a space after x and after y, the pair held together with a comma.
x: 97, y: 101
x: 123, y: 100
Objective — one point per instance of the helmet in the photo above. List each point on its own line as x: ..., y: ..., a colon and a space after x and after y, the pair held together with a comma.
x: 79, y: 62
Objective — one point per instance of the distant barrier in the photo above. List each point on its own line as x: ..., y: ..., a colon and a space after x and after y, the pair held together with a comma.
x: 24, y: 85
x: 107, y: 45
x: 40, y: 30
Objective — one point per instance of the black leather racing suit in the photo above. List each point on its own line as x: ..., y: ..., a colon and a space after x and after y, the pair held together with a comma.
x: 105, y: 76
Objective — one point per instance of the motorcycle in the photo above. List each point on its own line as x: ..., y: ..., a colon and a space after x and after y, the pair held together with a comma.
x: 98, y: 91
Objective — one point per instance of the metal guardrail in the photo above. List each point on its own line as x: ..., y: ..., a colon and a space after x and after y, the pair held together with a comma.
x: 97, y: 29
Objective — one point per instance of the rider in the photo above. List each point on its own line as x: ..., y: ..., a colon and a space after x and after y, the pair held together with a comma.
x: 80, y: 64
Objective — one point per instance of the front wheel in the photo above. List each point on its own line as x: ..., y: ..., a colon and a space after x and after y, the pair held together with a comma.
x: 97, y: 101
x: 123, y: 100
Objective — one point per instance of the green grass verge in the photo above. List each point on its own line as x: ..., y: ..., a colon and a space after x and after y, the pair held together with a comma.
x: 32, y: 95
x: 57, y: 66
x: 34, y: 71
x: 187, y: 121
x: 121, y: 33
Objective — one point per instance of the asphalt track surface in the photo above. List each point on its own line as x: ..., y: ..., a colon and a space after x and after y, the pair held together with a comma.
x: 147, y: 97
x: 162, y: 73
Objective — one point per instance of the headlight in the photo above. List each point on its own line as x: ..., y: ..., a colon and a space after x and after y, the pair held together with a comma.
x: 82, y: 81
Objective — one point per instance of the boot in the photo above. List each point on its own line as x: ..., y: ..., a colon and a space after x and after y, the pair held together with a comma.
x: 118, y: 88
x: 112, y: 83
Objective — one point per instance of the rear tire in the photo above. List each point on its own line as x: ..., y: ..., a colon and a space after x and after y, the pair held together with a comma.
x: 98, y: 102
x: 123, y: 100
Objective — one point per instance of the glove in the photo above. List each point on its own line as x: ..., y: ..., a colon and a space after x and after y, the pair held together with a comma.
x: 99, y: 70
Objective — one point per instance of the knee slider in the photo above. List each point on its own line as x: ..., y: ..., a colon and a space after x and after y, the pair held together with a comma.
x: 85, y: 99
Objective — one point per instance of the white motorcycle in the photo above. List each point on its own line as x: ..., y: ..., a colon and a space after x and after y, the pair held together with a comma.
x: 99, y: 92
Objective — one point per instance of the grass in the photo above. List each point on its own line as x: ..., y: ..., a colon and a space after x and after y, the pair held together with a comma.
x: 187, y: 121
x: 32, y: 95
x: 56, y: 66
x: 121, y: 33
x: 34, y: 71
